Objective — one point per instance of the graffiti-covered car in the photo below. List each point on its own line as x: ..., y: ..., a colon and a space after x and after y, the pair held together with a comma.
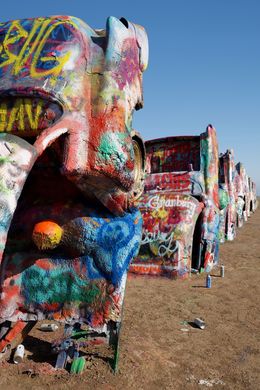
x: 180, y: 206
x: 229, y: 213
x: 243, y: 192
x: 253, y: 195
x: 71, y: 168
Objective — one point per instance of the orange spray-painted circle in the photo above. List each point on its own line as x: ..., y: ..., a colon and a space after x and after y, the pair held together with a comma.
x: 47, y: 235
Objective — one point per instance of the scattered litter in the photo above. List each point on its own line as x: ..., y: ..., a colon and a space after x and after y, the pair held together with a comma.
x: 49, y: 327
x: 211, y: 382
x: 199, y: 323
x: 185, y: 323
x: 78, y: 365
x: 31, y: 373
x: 19, y: 354
x: 205, y: 382
x: 208, y: 281
x: 222, y: 271
x: 6, y: 352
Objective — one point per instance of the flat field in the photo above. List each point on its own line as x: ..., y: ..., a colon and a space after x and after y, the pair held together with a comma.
x: 159, y: 347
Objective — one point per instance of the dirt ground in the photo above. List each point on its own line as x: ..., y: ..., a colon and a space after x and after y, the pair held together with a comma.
x: 159, y: 348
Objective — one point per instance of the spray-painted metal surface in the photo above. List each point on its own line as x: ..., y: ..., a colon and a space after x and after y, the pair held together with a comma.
x: 228, y: 214
x: 252, y: 195
x: 243, y: 192
x: 180, y: 206
x: 240, y: 198
x: 71, y: 167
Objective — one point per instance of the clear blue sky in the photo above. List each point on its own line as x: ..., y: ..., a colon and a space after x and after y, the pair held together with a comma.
x: 204, y: 65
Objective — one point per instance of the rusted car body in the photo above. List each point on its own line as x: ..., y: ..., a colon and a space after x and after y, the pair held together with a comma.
x: 180, y: 206
x: 228, y: 215
x: 71, y: 169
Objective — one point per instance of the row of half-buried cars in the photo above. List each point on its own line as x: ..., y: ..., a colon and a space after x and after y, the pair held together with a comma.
x: 193, y: 200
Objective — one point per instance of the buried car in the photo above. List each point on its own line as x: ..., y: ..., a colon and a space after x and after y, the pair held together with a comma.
x: 71, y: 169
x: 230, y: 214
x: 253, y: 195
x: 180, y: 206
x: 243, y: 193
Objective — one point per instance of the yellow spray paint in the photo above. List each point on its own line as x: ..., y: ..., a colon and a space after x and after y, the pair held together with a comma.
x: 32, y: 49
x: 23, y: 112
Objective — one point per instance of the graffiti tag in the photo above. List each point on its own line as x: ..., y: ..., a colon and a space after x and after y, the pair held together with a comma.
x: 157, y: 202
x: 31, y: 46
x: 21, y: 108
x: 166, y: 243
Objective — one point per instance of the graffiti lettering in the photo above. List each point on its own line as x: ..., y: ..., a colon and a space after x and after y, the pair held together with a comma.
x: 33, y: 47
x: 169, y: 180
x: 23, y: 108
x: 168, y: 247
x: 166, y: 243
x: 157, y: 202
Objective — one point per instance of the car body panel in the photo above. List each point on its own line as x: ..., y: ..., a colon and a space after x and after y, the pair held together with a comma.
x: 166, y: 247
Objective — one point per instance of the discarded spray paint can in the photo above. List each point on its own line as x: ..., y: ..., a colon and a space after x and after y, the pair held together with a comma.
x: 49, y: 327
x: 199, y: 323
x: 208, y: 281
x: 222, y: 271
x: 19, y: 354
